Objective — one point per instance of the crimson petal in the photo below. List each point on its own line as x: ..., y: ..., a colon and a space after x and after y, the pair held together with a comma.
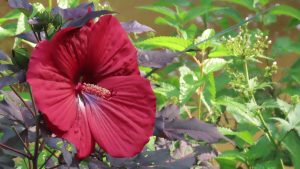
x: 110, y: 51
x: 52, y: 72
x: 123, y: 124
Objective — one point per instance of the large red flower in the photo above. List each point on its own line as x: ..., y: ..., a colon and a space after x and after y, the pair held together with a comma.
x: 87, y: 84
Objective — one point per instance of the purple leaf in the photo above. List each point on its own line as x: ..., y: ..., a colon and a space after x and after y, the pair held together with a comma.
x: 4, y: 67
x: 184, y: 163
x: 194, y: 128
x: 15, y: 110
x: 96, y: 164
x: 29, y: 36
x: 12, y: 79
x: 20, y: 4
x: 156, y: 58
x: 136, y: 27
x: 86, y: 18
x: 7, y: 80
x: 73, y: 13
x: 176, y: 129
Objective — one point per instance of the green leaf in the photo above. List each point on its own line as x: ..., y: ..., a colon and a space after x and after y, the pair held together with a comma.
x: 14, y: 14
x: 286, y: 10
x: 229, y: 159
x: 6, y: 32
x: 67, y: 3
x: 294, y: 119
x: 284, y: 106
x: 239, y: 111
x: 245, y: 3
x: 169, y: 42
x: 189, y: 83
x: 207, y: 34
x: 259, y: 150
x: 21, y: 57
x: 212, y: 86
x: 244, y: 135
x: 291, y: 143
x: 160, y: 9
x: 213, y: 65
x: 22, y: 24
x: 219, y: 51
x: 274, y: 164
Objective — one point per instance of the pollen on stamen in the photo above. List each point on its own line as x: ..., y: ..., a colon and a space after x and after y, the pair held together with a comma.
x: 95, y: 90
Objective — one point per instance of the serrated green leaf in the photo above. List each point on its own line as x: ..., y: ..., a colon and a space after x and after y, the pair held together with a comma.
x: 169, y: 42
x: 259, y: 150
x: 207, y: 34
x: 244, y: 135
x: 213, y: 64
x: 286, y: 10
x: 189, y: 83
x: 291, y: 143
x: 239, y: 111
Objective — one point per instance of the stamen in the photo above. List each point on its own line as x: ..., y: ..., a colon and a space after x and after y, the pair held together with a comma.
x: 95, y: 90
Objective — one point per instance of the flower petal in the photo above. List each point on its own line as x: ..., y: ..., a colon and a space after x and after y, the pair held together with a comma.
x: 110, y: 51
x: 123, y: 124
x: 51, y: 73
x: 53, y: 93
x: 80, y: 134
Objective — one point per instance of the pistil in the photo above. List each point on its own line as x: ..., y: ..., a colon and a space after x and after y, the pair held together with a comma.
x: 95, y: 90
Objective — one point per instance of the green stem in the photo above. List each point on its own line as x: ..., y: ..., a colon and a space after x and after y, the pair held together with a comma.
x: 262, y: 120
x: 50, y: 4
x: 199, y: 106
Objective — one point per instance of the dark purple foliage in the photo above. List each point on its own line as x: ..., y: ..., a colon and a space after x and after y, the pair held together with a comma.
x: 12, y: 79
x: 153, y: 159
x: 13, y: 109
x: 156, y: 58
x: 79, y: 22
x: 175, y: 129
x: 136, y: 27
x: 29, y: 36
x: 20, y: 4
x: 73, y: 13
x: 68, y: 156
x: 4, y: 67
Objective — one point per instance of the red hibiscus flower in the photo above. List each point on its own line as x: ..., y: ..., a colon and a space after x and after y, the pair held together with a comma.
x: 87, y: 84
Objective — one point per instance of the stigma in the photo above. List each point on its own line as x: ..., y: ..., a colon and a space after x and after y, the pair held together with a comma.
x: 94, y: 90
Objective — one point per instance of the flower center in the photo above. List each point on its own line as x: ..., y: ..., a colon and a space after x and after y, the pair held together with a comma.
x: 94, y: 89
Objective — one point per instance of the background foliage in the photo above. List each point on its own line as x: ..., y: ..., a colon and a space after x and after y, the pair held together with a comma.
x: 215, y: 76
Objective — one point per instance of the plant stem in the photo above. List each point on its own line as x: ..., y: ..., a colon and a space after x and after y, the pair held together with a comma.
x: 261, y: 118
x: 24, y: 144
x: 13, y: 150
x: 23, y: 101
x: 50, y: 4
